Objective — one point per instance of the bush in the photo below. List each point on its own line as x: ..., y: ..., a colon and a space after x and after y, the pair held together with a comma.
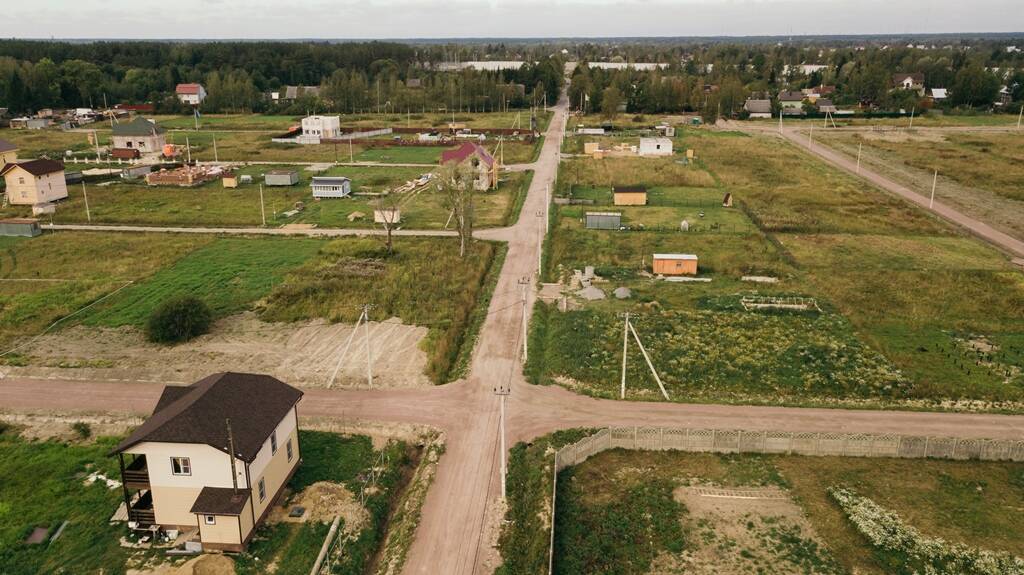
x: 82, y: 429
x: 179, y: 319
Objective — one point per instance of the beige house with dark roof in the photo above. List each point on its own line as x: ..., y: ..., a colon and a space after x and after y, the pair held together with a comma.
x: 33, y: 182
x: 177, y: 468
x: 8, y: 153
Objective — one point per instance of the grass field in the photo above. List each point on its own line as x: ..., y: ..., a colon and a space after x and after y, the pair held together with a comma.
x: 912, y: 312
x: 53, y: 142
x: 45, y: 278
x: 211, y: 204
x: 962, y: 502
x: 923, y: 121
x: 429, y: 119
x: 979, y: 173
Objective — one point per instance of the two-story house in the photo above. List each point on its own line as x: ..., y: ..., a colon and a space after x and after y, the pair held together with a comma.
x: 213, y: 456
x: 34, y: 182
x: 192, y: 94
x: 485, y: 167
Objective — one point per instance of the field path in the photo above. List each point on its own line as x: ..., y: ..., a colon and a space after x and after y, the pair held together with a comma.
x: 837, y: 159
x: 456, y: 533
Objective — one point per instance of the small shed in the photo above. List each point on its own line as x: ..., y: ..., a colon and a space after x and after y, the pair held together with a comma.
x: 281, y: 178
x: 675, y: 264
x: 603, y: 220
x: 727, y: 200
x: 132, y: 172
x: 629, y: 195
x: 331, y: 187
x: 229, y: 181
x: 27, y: 227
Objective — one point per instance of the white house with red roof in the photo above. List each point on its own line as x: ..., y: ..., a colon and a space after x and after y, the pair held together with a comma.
x: 192, y: 94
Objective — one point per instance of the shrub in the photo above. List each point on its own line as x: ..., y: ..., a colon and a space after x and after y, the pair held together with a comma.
x: 82, y: 429
x: 179, y: 319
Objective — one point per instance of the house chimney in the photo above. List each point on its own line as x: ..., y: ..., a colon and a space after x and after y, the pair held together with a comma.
x: 231, y: 454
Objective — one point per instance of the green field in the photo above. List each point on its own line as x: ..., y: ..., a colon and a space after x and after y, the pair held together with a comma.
x: 45, y: 278
x: 210, y: 204
x: 910, y: 311
x: 429, y: 119
x: 615, y: 510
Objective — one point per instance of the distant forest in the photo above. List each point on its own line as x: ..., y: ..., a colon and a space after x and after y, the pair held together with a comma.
x: 237, y: 75
x: 709, y: 77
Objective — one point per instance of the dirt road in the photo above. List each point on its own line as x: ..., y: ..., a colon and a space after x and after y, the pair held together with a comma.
x: 978, y: 228
x: 464, y: 501
x: 311, y: 232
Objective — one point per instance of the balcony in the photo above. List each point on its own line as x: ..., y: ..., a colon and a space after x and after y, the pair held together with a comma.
x: 141, y: 510
x: 136, y: 474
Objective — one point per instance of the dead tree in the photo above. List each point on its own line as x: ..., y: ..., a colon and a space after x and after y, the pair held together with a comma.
x: 390, y: 216
x: 456, y: 183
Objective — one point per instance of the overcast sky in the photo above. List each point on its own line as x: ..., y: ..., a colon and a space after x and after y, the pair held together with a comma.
x: 358, y: 19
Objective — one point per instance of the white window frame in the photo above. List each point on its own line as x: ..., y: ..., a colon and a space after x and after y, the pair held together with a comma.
x: 288, y: 448
x: 273, y: 442
x: 262, y: 487
x: 184, y: 464
x: 210, y: 519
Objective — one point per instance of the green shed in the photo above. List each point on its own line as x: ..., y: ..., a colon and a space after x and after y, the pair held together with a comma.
x: 27, y: 227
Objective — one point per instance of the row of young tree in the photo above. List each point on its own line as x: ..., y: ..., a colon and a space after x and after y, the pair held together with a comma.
x: 238, y: 75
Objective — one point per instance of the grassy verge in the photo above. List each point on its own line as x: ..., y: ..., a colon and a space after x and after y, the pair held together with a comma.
x: 525, y: 536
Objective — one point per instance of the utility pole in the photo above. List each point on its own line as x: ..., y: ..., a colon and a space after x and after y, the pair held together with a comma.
x: 540, y: 246
x: 369, y: 359
x: 88, y: 216
x: 810, y: 137
x: 110, y: 115
x: 912, y: 110
x: 263, y: 211
x: 935, y: 180
x: 188, y: 151
x: 502, y: 392
x: 625, y: 345
x: 1020, y: 116
x: 859, y: 146
x: 780, y: 121
x: 215, y: 158
x: 524, y: 283
x: 351, y: 158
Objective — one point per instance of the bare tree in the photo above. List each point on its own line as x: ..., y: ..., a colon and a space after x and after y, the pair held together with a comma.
x: 456, y: 181
x: 387, y: 213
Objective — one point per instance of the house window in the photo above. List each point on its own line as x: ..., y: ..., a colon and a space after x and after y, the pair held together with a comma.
x: 128, y: 144
x: 263, y: 489
x: 273, y: 442
x: 21, y: 180
x: 181, y: 466
x: 288, y: 447
x: 211, y: 519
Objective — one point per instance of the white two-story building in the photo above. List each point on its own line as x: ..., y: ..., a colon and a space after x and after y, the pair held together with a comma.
x: 213, y: 456
x: 316, y: 128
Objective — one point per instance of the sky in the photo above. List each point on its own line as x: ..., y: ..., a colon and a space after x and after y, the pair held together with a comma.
x: 365, y: 19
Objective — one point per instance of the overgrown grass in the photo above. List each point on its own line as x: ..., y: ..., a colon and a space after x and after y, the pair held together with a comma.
x: 524, y: 539
x: 423, y: 283
x: 42, y: 487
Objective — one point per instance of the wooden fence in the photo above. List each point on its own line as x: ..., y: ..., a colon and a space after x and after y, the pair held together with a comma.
x: 777, y: 442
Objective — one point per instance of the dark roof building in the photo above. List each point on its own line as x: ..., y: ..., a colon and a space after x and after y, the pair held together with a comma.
x: 466, y: 151
x: 39, y: 167
x: 137, y: 127
x: 254, y: 403
x: 791, y: 96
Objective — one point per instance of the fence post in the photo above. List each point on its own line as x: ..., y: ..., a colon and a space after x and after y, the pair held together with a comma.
x: 635, y: 428
x: 662, y: 437
x: 739, y: 441
x: 714, y: 440
x: 927, y: 443
x: 764, y: 441
x: 899, y: 446
x: 789, y: 449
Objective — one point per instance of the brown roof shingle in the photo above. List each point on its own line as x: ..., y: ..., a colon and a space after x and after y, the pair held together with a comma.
x: 35, y: 167
x: 254, y: 403
x: 220, y: 501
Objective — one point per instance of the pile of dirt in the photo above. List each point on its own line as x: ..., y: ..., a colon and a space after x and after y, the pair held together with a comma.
x: 323, y: 502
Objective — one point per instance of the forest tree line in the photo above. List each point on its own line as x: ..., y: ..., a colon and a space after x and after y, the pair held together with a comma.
x: 238, y: 75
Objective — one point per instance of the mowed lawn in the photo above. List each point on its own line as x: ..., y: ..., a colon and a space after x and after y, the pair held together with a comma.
x: 909, y: 309
x: 972, y: 503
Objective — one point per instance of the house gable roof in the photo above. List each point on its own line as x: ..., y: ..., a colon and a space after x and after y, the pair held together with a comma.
x: 758, y: 106
x: 915, y: 77
x: 137, y: 127
x: 254, y: 403
x: 188, y: 88
x: 35, y: 167
x: 791, y: 96
x: 6, y: 146
x: 464, y: 152
x: 629, y: 189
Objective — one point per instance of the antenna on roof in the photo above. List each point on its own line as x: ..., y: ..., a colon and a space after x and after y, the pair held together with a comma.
x: 231, y: 454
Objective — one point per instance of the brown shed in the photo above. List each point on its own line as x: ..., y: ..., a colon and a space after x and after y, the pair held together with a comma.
x: 675, y: 264
x: 629, y: 195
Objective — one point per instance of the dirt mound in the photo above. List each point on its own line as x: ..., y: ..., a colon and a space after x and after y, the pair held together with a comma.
x: 303, y: 353
x: 323, y: 502
x: 213, y: 565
